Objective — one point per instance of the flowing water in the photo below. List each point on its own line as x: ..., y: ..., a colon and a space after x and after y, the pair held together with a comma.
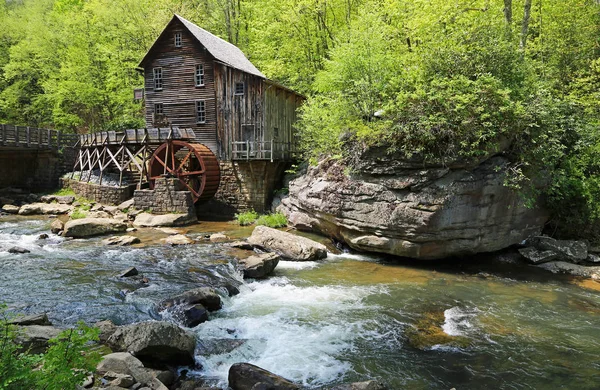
x: 344, y: 319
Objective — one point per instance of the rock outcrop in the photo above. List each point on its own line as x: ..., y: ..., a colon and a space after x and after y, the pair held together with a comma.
x: 406, y: 208
x: 87, y: 227
x: 288, y: 245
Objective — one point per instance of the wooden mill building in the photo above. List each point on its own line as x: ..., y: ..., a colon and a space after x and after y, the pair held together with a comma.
x: 194, y: 79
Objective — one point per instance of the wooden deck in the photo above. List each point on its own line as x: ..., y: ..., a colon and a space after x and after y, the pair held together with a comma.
x: 155, y: 136
x: 264, y: 150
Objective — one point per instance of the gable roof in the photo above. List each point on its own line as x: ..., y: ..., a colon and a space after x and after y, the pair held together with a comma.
x: 220, y: 49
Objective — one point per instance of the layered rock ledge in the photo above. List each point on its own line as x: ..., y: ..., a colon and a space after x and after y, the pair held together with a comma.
x: 385, y: 204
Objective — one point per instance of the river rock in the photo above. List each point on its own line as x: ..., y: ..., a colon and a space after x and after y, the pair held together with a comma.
x: 536, y: 256
x: 126, y: 364
x: 563, y: 267
x: 178, y: 239
x: 126, y: 205
x: 245, y: 376
x: 57, y: 226
x: 564, y: 250
x: 62, y: 199
x: 151, y: 220
x: 368, y: 385
x: 121, y: 240
x: 120, y: 380
x: 34, y: 338
x: 131, y: 271
x: 241, y: 245
x: 218, y: 237
x: 107, y: 328
x: 288, y: 245
x: 259, y: 266
x: 86, y: 227
x: 44, y: 208
x: 205, y: 296
x: 18, y: 250
x: 32, y: 319
x: 408, y: 208
x: 155, y: 341
x: 10, y: 209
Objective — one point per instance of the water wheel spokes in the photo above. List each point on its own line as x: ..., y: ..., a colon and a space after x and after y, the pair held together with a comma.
x: 196, y: 167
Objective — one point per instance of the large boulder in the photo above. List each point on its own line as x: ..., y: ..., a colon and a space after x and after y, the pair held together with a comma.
x: 152, y: 220
x: 10, y: 209
x: 246, y: 376
x: 259, y: 266
x: 412, y: 209
x: 155, y: 342
x: 34, y: 338
x: 288, y: 245
x: 87, y: 227
x: 543, y: 249
x: 57, y: 226
x: 44, y: 208
x: 32, y: 319
x: 62, y: 199
x: 191, y: 308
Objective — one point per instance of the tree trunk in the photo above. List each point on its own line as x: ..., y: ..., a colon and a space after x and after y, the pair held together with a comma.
x: 508, y: 11
x: 525, y: 25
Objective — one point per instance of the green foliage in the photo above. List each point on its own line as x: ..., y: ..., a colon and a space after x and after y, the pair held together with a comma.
x: 64, y: 365
x: 64, y: 192
x: 247, y: 218
x: 272, y: 220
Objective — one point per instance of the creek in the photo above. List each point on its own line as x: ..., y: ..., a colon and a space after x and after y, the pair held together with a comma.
x: 323, y: 323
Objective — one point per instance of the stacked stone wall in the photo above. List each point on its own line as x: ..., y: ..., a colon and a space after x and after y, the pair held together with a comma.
x: 100, y: 194
x: 166, y: 197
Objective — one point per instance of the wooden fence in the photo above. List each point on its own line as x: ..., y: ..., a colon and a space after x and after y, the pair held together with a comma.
x: 34, y: 138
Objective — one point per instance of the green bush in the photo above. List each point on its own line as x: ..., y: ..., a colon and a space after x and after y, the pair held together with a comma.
x: 65, y: 364
x: 272, y: 220
x: 79, y: 213
x: 247, y: 218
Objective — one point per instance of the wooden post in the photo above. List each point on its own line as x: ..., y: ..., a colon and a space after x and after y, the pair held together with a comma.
x: 49, y: 135
x: 272, y: 150
x: 17, y: 136
x: 247, y: 150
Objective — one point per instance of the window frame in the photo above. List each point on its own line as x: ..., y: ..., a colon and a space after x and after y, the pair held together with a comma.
x: 157, y: 106
x: 178, y: 39
x: 202, y: 75
x: 197, y: 104
x: 235, y: 89
x: 159, y: 71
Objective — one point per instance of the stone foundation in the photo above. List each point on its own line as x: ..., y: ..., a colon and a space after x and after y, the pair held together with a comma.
x: 245, y: 185
x: 98, y: 193
x: 166, y: 197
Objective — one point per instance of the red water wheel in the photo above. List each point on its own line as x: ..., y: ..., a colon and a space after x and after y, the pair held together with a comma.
x: 196, y: 167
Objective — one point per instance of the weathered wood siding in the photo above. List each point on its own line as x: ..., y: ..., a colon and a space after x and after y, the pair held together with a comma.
x: 239, y: 117
x: 281, y: 113
x: 179, y: 92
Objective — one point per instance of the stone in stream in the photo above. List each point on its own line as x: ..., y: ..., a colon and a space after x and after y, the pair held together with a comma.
x: 86, y: 227
x: 205, y: 296
x: 34, y: 338
x: 124, y: 363
x: 241, y: 245
x: 44, y: 208
x: 126, y: 205
x: 218, y: 237
x: 151, y: 220
x: 43, y: 236
x: 259, y: 266
x: 131, y: 271
x: 368, y: 385
x: 10, y: 209
x: 121, y: 240
x: 107, y: 328
x: 288, y: 245
x: 246, y: 376
x: 178, y: 239
x: 57, y: 226
x: 536, y: 256
x: 32, y: 319
x: 565, y: 250
x: 155, y: 342
x: 18, y: 250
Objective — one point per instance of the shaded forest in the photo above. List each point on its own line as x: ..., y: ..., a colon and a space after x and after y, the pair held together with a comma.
x: 435, y: 79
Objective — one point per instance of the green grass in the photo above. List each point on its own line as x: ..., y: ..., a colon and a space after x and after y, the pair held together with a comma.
x: 247, y: 218
x: 272, y: 220
x: 64, y: 192
x: 78, y: 213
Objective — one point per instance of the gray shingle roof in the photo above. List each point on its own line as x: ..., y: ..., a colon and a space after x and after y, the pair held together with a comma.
x: 220, y: 49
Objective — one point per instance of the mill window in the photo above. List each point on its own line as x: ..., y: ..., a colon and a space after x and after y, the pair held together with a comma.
x: 239, y: 89
x: 178, y: 39
x: 199, y: 75
x: 200, y: 111
x: 158, y: 78
x: 158, y: 109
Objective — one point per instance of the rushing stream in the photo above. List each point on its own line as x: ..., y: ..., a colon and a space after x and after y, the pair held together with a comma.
x: 323, y: 323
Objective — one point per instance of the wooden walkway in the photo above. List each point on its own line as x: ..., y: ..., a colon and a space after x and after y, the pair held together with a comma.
x: 33, y: 138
